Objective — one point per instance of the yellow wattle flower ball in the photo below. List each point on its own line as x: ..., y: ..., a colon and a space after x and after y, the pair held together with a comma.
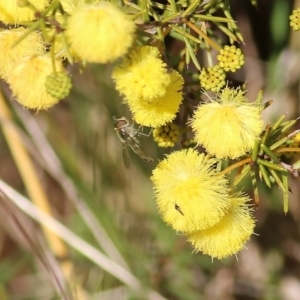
x: 160, y: 110
x: 99, y: 33
x: 229, y: 126
x: 231, y: 58
x: 229, y: 235
x: 212, y: 78
x: 142, y: 75
x: 27, y: 81
x: 190, y: 194
x: 31, y: 45
x: 70, y: 5
x: 153, y: 94
x: 295, y: 19
x: 58, y: 85
x: 11, y: 13
x: 296, y: 137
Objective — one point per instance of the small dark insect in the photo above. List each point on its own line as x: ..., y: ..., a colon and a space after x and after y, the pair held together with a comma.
x: 128, y: 136
x: 177, y: 207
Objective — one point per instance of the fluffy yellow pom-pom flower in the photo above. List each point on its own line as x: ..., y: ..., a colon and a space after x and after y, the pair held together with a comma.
x: 160, y: 110
x: 142, y: 75
x: 100, y: 33
x: 27, y: 81
x: 228, y: 127
x: 31, y: 45
x: 230, y: 234
x: 11, y: 13
x: 189, y: 193
x: 153, y: 94
x: 70, y: 5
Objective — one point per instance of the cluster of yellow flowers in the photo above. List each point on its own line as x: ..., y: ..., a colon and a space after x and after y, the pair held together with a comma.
x: 90, y: 32
x: 152, y: 93
x: 212, y: 78
x: 230, y: 59
x: 195, y: 200
x: 167, y: 135
x: 193, y: 196
x: 295, y: 19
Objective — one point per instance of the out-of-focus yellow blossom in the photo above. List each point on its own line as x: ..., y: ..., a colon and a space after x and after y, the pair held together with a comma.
x: 231, y: 58
x: 296, y: 138
x: 100, y: 33
x: 167, y: 135
x: 228, y: 126
x: 190, y: 194
x: 59, y: 45
x: 142, y: 75
x: 27, y: 81
x: 11, y: 13
x: 229, y: 235
x: 295, y: 19
x: 70, y: 5
x: 31, y: 45
x: 160, y: 110
x: 293, y: 143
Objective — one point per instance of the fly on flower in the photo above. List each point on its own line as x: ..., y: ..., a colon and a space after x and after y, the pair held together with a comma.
x: 128, y: 136
x: 177, y: 207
